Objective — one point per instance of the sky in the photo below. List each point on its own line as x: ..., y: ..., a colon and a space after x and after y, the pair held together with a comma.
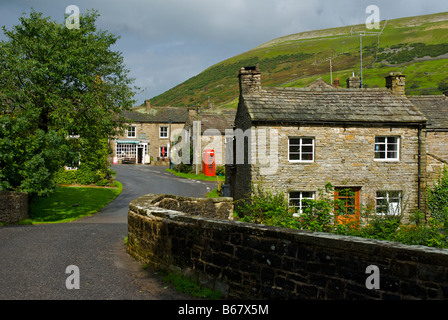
x: 165, y: 42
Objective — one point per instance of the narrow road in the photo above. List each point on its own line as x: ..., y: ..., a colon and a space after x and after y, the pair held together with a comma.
x: 33, y: 259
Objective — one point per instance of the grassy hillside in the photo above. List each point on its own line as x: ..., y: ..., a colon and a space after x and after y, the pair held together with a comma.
x: 416, y: 46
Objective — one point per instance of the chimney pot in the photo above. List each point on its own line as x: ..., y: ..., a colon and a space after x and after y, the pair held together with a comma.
x: 336, y: 82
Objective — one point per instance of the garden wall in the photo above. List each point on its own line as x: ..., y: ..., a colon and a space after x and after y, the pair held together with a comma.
x: 13, y: 206
x: 247, y: 261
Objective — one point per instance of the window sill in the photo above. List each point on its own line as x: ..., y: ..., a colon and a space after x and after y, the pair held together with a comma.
x: 299, y: 162
x: 387, y: 160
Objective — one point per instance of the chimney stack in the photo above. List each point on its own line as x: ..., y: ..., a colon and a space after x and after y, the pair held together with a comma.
x: 250, y: 79
x: 354, y: 82
x: 193, y: 113
x: 396, y: 82
x: 147, y: 105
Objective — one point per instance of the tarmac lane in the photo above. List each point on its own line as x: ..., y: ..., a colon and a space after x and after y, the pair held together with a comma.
x: 36, y: 261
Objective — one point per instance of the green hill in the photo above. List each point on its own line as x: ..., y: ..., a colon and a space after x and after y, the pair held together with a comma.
x: 416, y: 46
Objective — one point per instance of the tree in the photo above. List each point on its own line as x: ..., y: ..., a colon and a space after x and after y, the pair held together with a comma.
x: 56, y: 82
x: 443, y: 85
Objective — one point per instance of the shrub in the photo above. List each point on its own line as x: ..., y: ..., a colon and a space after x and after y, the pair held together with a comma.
x: 427, y: 234
x: 443, y: 85
x: 264, y: 207
x: 220, y: 171
x: 437, y: 199
x: 183, y: 168
x: 322, y: 215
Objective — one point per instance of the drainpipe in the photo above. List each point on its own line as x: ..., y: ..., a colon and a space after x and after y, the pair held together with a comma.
x: 419, y: 165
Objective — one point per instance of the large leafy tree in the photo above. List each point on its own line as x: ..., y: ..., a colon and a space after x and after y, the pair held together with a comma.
x: 56, y: 82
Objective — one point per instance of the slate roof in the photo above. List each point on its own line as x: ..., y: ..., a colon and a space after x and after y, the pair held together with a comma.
x: 157, y: 115
x: 330, y: 104
x: 219, y: 121
x: 435, y: 109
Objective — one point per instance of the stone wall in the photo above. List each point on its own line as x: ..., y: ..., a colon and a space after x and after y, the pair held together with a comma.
x: 437, y: 150
x: 13, y: 206
x: 247, y: 261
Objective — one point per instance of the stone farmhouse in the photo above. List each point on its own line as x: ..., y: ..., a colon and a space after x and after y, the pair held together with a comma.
x: 213, y: 125
x: 373, y: 142
x: 149, y: 135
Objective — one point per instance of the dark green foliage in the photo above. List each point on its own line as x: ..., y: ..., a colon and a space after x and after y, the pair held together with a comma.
x: 28, y: 156
x: 443, y: 85
x: 264, y: 207
x: 403, y: 53
x: 437, y: 199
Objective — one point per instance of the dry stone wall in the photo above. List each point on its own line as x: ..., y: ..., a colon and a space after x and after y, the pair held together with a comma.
x: 247, y: 261
x: 13, y: 206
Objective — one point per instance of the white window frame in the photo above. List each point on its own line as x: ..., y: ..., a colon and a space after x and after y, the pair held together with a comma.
x: 394, y: 203
x: 126, y: 150
x: 73, y: 166
x: 300, y: 200
x: 166, y: 152
x: 300, y: 145
x: 162, y: 133
x: 386, y: 143
x: 132, y: 133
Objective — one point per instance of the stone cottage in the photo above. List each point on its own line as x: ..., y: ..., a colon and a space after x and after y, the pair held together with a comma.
x: 295, y: 140
x: 435, y: 109
x: 149, y: 135
x: 213, y: 125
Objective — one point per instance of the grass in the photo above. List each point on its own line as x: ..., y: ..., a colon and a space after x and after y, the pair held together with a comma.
x: 71, y: 203
x: 191, y: 175
x: 214, y: 193
x: 185, y: 285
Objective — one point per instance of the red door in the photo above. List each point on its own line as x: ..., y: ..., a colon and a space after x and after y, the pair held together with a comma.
x: 347, y: 204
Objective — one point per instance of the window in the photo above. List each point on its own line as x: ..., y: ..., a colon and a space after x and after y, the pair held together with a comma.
x: 386, y: 148
x: 301, y: 150
x: 126, y: 150
x: 73, y: 163
x: 163, y: 132
x: 388, y: 202
x: 298, y: 200
x: 132, y: 132
x: 163, y: 152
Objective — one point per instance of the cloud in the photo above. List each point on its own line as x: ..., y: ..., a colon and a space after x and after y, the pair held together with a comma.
x: 165, y: 42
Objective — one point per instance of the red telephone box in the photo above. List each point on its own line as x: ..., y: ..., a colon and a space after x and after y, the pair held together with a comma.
x: 208, y: 163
